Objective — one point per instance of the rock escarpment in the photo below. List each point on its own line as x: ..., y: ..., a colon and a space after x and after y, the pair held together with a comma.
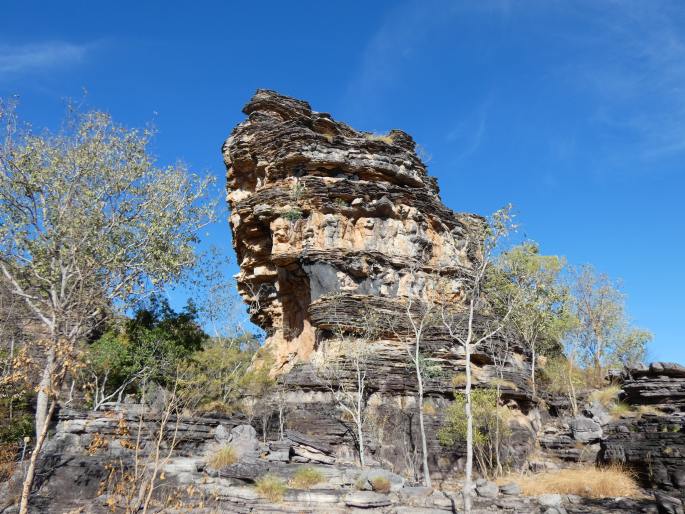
x: 318, y: 208
x: 333, y: 227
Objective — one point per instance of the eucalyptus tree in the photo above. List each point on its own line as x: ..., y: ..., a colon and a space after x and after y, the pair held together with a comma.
x: 88, y: 224
x: 604, y: 335
x: 541, y: 315
x: 467, y: 326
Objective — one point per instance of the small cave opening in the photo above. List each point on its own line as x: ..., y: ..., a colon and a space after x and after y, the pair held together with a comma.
x: 295, y: 294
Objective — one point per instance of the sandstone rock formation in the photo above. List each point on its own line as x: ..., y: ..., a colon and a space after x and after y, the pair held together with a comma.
x: 318, y: 208
x: 333, y: 226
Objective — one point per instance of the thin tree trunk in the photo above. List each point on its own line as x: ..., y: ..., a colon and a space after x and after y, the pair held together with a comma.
x: 44, y: 391
x: 532, y: 369
x: 360, y: 419
x: 468, y: 478
x: 30, y: 473
x: 424, y: 446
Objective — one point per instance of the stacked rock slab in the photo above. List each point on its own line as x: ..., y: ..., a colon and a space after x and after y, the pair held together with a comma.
x: 331, y: 225
x: 653, y: 443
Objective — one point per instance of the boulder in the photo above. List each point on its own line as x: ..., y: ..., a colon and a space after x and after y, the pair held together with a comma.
x: 366, y: 500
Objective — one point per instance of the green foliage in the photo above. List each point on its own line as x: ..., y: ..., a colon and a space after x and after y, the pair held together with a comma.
x: 88, y: 221
x: 603, y: 336
x: 219, y: 372
x: 561, y: 375
x: 293, y: 214
x: 490, y: 426
x: 530, y: 283
x: 16, y: 418
x: 152, y: 344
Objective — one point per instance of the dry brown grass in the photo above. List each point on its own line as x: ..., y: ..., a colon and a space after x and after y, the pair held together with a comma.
x: 306, y: 477
x: 589, y: 482
x: 226, y: 456
x: 380, y: 484
x: 8, y: 460
x: 271, y: 487
x: 385, y: 138
x: 606, y: 396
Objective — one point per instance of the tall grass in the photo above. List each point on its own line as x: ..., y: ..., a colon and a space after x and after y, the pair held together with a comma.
x: 589, y: 482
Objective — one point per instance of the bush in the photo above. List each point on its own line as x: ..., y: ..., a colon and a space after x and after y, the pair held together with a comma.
x: 306, y: 477
x: 293, y: 214
x: 380, y: 484
x: 490, y: 427
x: 226, y: 456
x: 589, y: 482
x: 271, y: 487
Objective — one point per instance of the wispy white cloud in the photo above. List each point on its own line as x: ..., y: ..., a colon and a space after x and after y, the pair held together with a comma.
x: 467, y: 135
x: 31, y: 58
x: 634, y: 64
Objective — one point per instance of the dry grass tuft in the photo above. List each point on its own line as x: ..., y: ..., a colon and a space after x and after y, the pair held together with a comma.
x: 385, y: 138
x: 271, y: 487
x: 606, y: 396
x: 380, y: 484
x: 621, y: 409
x: 648, y: 409
x: 589, y: 482
x: 306, y: 477
x: 226, y: 456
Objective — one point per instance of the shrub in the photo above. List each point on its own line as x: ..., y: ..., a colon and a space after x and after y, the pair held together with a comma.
x: 225, y: 456
x: 490, y: 427
x: 380, y: 484
x: 306, y: 477
x: 293, y: 214
x: 271, y: 487
x: 589, y: 482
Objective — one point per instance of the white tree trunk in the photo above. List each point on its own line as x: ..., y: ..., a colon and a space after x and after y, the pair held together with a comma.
x: 422, y: 428
x: 43, y: 392
x: 468, y: 478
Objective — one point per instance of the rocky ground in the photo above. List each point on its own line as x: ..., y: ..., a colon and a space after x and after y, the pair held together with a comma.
x: 78, y: 475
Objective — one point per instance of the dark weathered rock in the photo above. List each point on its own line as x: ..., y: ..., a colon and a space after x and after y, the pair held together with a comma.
x: 654, y: 446
x: 661, y: 385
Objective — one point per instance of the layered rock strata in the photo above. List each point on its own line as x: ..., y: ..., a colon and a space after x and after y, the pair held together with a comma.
x: 335, y: 229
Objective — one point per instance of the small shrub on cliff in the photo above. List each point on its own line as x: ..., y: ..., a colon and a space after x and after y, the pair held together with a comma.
x: 306, y: 477
x: 226, y: 456
x: 293, y: 214
x: 271, y: 487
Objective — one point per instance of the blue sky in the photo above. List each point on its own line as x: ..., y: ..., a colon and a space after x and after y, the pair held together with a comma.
x: 572, y: 111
